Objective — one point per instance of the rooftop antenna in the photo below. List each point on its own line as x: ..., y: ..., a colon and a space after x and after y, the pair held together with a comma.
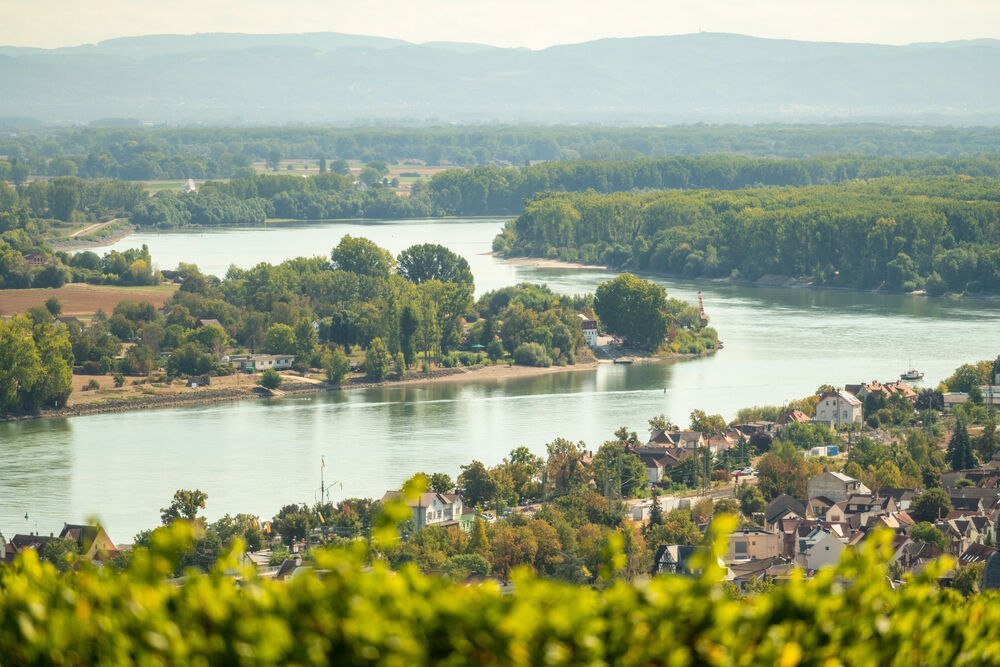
x: 324, y: 489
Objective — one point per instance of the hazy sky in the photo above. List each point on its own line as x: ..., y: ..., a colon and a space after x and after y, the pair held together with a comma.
x: 530, y: 23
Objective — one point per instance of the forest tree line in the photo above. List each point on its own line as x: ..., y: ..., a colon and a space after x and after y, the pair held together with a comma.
x: 250, y: 197
x: 938, y: 233
x: 136, y: 153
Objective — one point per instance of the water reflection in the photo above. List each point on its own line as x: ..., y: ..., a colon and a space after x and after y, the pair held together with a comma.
x: 36, y: 474
x: 256, y: 456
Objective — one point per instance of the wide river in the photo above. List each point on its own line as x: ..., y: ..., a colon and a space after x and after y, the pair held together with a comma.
x: 256, y: 456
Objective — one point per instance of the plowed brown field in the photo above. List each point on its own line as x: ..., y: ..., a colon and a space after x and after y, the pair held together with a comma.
x: 81, y: 300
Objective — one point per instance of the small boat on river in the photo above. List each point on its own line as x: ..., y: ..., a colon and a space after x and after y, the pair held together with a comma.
x: 912, y: 374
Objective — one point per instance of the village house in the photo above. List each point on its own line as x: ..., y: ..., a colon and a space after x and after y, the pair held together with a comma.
x: 659, y: 460
x: 718, y: 443
x: 589, y: 327
x: 433, y: 509
x: 818, y: 507
x: 971, y: 500
x: 838, y: 408
x: 819, y: 548
x: 898, y: 522
x: 799, y: 534
x: 752, y: 544
x: 673, y: 559
x: 659, y: 438
x: 655, y: 468
x: 834, y: 486
x: 976, y: 553
x: 676, y: 438
x: 884, y: 389
x: 960, y: 533
x: 35, y: 258
x: 791, y: 417
x: 902, y: 497
x: 742, y: 575
x: 752, y: 428
x: 867, y: 504
x: 783, y: 507
x: 92, y: 542
x: 914, y: 556
x: 980, y: 477
x: 253, y: 363
x: 20, y: 542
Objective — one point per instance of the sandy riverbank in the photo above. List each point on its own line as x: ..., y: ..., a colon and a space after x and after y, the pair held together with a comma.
x: 495, y: 373
x: 539, y: 263
x: 82, y: 403
x: 74, y: 244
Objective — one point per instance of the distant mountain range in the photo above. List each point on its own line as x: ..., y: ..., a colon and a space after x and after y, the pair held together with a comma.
x: 335, y: 78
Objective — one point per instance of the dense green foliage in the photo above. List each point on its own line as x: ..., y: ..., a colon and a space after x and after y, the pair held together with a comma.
x: 355, y: 615
x: 942, y: 234
x: 250, y: 198
x: 270, y: 379
x: 505, y: 190
x: 26, y: 213
x: 67, y: 198
x: 36, y: 361
x: 544, y: 326
x: 135, y: 153
x: 634, y: 309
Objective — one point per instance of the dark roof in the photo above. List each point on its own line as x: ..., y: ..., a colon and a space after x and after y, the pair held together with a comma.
x: 972, y: 492
x: 922, y: 550
x: 28, y: 541
x: 898, y: 494
x: 663, y: 438
x: 976, y: 553
x: 286, y: 568
x: 83, y: 535
x: 753, y: 569
x: 782, y: 504
x: 665, y: 557
x: 868, y: 500
x: 792, y: 416
x: 966, y: 503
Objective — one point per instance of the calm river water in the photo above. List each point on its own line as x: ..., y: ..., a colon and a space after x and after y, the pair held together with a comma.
x: 255, y: 456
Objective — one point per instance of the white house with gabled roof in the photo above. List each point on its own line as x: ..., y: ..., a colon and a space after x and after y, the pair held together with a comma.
x: 838, y: 408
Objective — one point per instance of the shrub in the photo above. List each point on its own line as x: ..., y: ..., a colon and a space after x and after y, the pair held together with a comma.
x: 270, y: 379
x: 91, y: 368
x: 495, y: 350
x: 92, y: 385
x: 361, y: 613
x: 531, y: 354
x: 377, y: 360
